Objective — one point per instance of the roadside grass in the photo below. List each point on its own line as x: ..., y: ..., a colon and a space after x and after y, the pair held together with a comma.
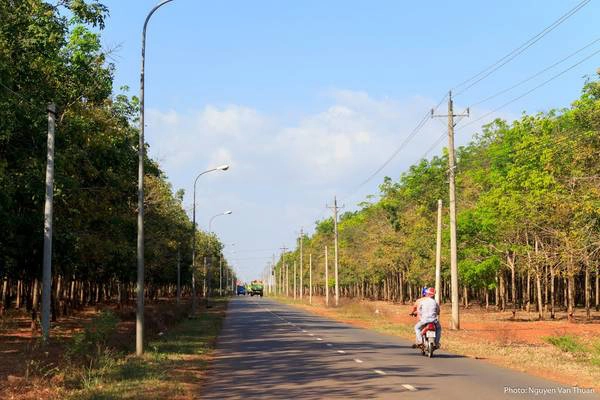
x: 563, y: 358
x: 584, y: 352
x: 173, y: 366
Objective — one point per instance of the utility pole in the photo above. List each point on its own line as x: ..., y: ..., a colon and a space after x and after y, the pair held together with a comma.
x: 451, y: 174
x: 48, y: 207
x: 301, y: 240
x: 326, y: 280
x: 282, y: 274
x: 335, y: 209
x: 220, y: 275
x: 204, y: 281
x: 294, y: 279
x: 438, y: 253
x: 178, y: 276
x: 274, y: 285
x: 310, y: 278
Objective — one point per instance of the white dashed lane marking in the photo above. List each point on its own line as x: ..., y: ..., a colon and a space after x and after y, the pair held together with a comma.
x: 357, y: 360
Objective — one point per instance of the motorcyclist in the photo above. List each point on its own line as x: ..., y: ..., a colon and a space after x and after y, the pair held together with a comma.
x: 428, y: 311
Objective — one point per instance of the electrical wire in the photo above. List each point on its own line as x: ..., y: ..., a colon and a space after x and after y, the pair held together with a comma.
x: 532, y: 89
x: 501, y: 92
x: 475, y: 79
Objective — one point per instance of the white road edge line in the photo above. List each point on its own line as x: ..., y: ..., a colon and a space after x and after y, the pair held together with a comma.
x: 311, y: 334
x: 358, y: 360
x: 410, y: 387
x: 329, y: 344
x: 319, y: 338
x: 341, y: 351
x: 378, y: 371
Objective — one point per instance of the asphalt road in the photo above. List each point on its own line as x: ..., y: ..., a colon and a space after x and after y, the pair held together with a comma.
x: 268, y: 350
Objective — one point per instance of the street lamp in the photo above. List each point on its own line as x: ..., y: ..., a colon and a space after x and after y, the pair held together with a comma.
x: 220, y: 261
x: 139, y: 320
x: 224, y: 167
x: 215, y: 216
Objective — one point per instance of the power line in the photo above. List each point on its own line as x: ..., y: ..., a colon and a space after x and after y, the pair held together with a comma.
x: 532, y: 89
x: 404, y: 143
x: 534, y: 75
x: 475, y: 79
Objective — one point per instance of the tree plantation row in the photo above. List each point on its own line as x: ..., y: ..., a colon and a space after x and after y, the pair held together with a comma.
x: 52, y: 53
x: 528, y: 199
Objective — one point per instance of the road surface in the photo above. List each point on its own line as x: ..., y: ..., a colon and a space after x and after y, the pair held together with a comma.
x: 268, y: 350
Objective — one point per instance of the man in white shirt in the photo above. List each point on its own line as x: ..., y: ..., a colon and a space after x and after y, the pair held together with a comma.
x: 428, y: 311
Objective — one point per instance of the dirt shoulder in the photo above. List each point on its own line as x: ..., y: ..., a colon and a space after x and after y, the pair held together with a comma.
x: 519, y: 342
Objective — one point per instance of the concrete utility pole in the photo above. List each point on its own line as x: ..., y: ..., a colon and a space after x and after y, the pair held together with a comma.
x: 204, y: 282
x: 326, y: 280
x: 453, y: 246
x: 310, y: 278
x: 335, y: 209
x: 301, y: 264
x: 139, y: 314
x: 438, y: 253
x: 178, y: 276
x: 220, y: 275
x: 274, y: 285
x: 294, y: 279
x: 48, y: 206
x: 282, y: 274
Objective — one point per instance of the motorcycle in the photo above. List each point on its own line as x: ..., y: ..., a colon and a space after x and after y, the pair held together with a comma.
x: 428, y: 334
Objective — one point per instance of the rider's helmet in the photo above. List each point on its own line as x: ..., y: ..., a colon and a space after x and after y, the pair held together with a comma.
x: 424, y: 291
x: 430, y: 292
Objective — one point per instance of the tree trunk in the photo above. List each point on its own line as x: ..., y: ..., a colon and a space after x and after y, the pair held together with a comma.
x: 597, y: 290
x: 510, y: 258
x: 487, y: 299
x: 565, y: 294
x: 552, y: 299
x: 466, y: 296
x: 571, y: 300
x: 401, y: 287
x: 4, y: 295
x: 34, y: 306
x: 588, y: 315
x: 502, y: 292
x: 540, y: 306
x: 19, y: 299
x: 528, y: 298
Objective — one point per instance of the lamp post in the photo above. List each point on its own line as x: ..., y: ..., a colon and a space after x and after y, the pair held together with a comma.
x: 139, y: 320
x: 215, y: 216
x: 219, y: 168
x: 228, y: 212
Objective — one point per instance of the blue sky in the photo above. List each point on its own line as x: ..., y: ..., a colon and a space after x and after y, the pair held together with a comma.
x: 306, y: 99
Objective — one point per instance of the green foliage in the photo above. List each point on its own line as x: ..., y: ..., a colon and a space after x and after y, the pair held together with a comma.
x: 47, y: 57
x: 566, y: 343
x: 91, y: 345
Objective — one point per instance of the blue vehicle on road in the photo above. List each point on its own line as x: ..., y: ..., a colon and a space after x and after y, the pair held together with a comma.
x: 241, y: 290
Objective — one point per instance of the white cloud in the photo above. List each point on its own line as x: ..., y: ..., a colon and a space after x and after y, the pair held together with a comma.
x: 282, y: 174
